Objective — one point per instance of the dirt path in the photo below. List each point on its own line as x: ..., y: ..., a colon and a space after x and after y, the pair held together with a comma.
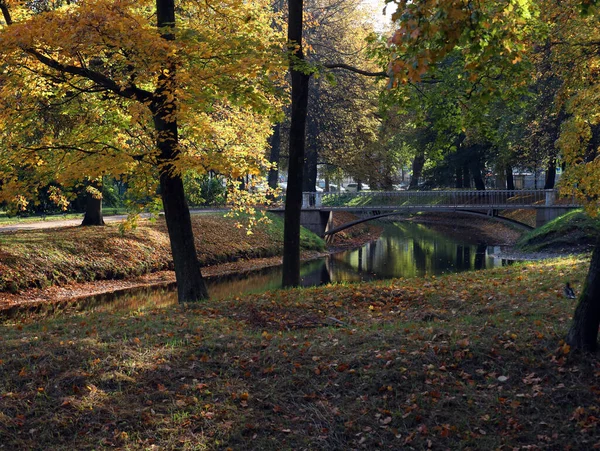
x: 61, y: 223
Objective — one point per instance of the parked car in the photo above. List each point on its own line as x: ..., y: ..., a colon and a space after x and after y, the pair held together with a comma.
x: 335, y: 189
x: 353, y: 187
x: 400, y: 186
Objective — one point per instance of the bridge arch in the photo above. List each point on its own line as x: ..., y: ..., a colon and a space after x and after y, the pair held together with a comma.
x: 330, y: 232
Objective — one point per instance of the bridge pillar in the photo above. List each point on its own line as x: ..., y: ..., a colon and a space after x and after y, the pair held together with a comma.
x: 544, y: 215
x: 317, y: 221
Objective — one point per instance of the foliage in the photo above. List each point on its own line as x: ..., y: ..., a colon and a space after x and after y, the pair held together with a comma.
x: 471, y: 360
x: 204, y: 190
x: 87, y: 93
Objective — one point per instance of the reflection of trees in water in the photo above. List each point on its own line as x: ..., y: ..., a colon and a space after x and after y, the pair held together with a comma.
x: 480, y: 256
x: 407, y: 250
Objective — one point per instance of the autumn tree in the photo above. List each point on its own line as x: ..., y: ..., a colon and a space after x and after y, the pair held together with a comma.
x: 159, y: 89
x: 301, y: 71
x: 502, y: 34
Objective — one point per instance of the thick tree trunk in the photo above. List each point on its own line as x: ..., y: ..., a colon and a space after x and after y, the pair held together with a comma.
x: 293, y: 199
x: 477, y: 178
x: 551, y: 174
x: 510, y: 180
x: 417, y: 169
x: 93, y: 208
x: 583, y: 333
x: 190, y: 284
x: 274, y: 156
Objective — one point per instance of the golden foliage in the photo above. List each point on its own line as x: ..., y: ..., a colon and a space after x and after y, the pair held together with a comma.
x: 79, y: 88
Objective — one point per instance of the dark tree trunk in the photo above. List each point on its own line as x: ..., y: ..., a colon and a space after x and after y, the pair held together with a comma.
x: 477, y: 178
x: 466, y: 176
x: 190, y: 284
x: 293, y: 199
x: 93, y: 208
x: 417, y: 169
x: 510, y: 180
x: 551, y: 174
x: 583, y: 333
x: 459, y: 177
x: 274, y: 156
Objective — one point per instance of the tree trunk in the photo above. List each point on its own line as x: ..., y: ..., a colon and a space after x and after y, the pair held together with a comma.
x: 274, y: 156
x: 466, y: 176
x: 93, y: 208
x: 551, y: 174
x: 417, y: 169
x: 477, y: 178
x: 459, y: 177
x: 583, y: 333
x: 293, y: 199
x: 510, y: 180
x: 190, y: 284
x: 309, y: 182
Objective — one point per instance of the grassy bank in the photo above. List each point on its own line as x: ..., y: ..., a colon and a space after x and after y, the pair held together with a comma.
x: 465, y: 361
x: 574, y: 231
x: 78, y: 254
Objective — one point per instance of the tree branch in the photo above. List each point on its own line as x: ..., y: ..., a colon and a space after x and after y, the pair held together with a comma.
x: 355, y: 70
x: 130, y: 92
x: 5, y: 13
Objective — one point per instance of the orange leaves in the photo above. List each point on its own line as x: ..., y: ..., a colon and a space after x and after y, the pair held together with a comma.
x: 464, y: 343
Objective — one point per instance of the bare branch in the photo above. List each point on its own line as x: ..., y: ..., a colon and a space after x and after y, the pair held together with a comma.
x: 366, y: 73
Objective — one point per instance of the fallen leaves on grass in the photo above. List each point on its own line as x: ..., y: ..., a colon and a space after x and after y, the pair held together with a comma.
x: 440, y: 363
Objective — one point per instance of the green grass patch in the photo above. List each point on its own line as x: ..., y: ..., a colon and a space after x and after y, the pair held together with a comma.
x: 575, y: 227
x: 8, y: 220
x: 464, y: 361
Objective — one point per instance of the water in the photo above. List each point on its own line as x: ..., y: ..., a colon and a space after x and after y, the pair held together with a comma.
x: 405, y: 249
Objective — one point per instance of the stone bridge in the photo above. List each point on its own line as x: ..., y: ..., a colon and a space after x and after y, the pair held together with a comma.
x: 318, y: 208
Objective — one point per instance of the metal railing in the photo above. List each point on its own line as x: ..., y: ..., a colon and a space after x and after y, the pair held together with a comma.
x: 462, y: 199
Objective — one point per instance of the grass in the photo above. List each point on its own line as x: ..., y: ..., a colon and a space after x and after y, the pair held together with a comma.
x: 464, y: 361
x: 573, y: 227
x: 77, y: 254
x: 7, y: 220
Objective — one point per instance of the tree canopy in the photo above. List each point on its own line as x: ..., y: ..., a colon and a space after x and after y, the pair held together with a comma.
x: 140, y: 88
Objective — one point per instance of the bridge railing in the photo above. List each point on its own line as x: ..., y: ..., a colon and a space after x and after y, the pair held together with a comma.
x: 449, y: 199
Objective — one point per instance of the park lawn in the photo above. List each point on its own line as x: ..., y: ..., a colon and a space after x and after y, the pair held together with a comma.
x: 464, y: 361
x: 42, y: 258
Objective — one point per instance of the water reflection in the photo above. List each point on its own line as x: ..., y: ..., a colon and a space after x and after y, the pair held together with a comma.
x: 404, y: 250
x: 409, y: 250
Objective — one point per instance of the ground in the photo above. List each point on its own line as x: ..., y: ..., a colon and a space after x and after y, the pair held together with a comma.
x: 474, y: 360
x: 464, y: 361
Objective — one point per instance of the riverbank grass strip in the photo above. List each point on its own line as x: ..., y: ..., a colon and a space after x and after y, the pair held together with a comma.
x: 465, y: 361
x: 39, y: 259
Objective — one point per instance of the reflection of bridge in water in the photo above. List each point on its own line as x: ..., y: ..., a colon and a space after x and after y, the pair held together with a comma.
x: 318, y: 208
